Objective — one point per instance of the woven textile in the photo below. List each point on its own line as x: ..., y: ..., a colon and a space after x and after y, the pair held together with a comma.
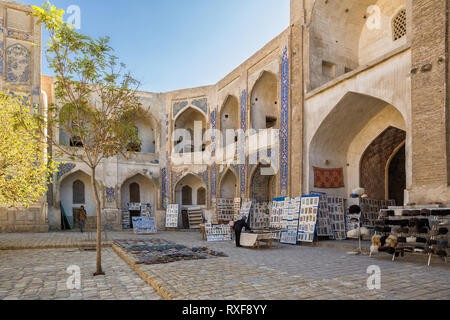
x: 328, y: 178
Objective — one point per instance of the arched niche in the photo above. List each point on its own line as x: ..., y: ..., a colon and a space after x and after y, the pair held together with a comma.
x: 184, y: 130
x: 229, y: 120
x: 189, y: 184
x: 265, y: 110
x: 229, y: 185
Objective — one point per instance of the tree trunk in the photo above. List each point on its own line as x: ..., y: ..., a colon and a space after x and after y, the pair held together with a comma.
x: 99, y: 225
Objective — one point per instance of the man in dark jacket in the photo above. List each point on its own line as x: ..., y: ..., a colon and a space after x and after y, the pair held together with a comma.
x: 238, y: 226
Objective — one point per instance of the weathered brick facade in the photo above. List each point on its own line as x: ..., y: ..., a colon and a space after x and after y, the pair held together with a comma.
x: 430, y: 127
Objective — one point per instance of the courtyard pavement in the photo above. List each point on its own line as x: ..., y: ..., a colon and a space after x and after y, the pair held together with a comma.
x: 284, y: 272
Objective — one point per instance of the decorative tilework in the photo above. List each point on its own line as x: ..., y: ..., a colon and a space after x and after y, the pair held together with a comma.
x: 202, y: 104
x: 18, y: 64
x: 213, y: 127
x: 164, y: 187
x: 178, y: 106
x: 213, y: 180
x: 63, y: 169
x: 242, y: 170
x: 284, y: 130
x: 110, y: 194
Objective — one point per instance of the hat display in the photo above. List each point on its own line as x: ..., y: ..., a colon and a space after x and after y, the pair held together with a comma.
x: 425, y: 212
x: 411, y: 239
x: 401, y: 240
x: 443, y: 231
x: 376, y: 240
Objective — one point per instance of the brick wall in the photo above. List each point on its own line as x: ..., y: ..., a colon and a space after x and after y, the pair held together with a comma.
x: 429, y: 93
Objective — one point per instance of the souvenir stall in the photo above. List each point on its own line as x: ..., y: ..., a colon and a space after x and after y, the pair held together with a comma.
x: 135, y: 210
x: 413, y: 231
x: 218, y: 228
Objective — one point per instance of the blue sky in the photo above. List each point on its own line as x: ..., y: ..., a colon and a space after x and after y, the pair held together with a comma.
x: 177, y: 44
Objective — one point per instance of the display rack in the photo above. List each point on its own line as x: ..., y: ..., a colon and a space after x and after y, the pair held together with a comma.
x: 414, y: 231
x: 370, y: 210
x: 336, y: 213
x: 259, y: 216
x: 216, y: 233
x: 290, y: 220
x: 195, y: 218
x: 324, y: 227
x: 172, y: 214
x: 245, y: 210
x: 225, y: 210
x: 309, y: 212
x: 237, y: 208
x: 276, y: 216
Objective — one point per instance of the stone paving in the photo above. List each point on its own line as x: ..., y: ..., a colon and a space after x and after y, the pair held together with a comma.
x: 293, y: 272
x: 42, y: 274
x: 285, y: 272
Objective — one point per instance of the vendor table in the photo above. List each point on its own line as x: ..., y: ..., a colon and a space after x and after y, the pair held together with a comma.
x: 249, y: 239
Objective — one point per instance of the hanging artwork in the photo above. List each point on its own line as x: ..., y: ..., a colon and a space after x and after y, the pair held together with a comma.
x: 328, y: 178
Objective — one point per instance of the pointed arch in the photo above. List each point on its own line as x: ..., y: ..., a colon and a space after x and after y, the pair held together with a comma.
x: 264, y: 104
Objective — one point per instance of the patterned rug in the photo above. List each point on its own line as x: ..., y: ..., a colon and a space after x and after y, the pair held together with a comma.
x: 328, y: 178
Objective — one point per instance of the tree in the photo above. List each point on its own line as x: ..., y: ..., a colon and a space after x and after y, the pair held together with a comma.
x: 25, y: 167
x: 96, y: 98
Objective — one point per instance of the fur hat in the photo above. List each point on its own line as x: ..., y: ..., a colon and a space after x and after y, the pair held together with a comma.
x: 391, y: 241
x: 365, y: 232
x: 376, y: 240
x: 443, y: 231
x: 398, y: 213
x: 424, y: 230
x: 411, y: 239
x: 401, y: 240
x: 354, y: 209
x: 441, y: 213
x: 403, y: 230
x: 424, y: 223
x: 421, y: 240
x: 353, y: 233
x: 383, y: 229
x: 379, y: 223
x: 413, y: 222
x: 425, y: 212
